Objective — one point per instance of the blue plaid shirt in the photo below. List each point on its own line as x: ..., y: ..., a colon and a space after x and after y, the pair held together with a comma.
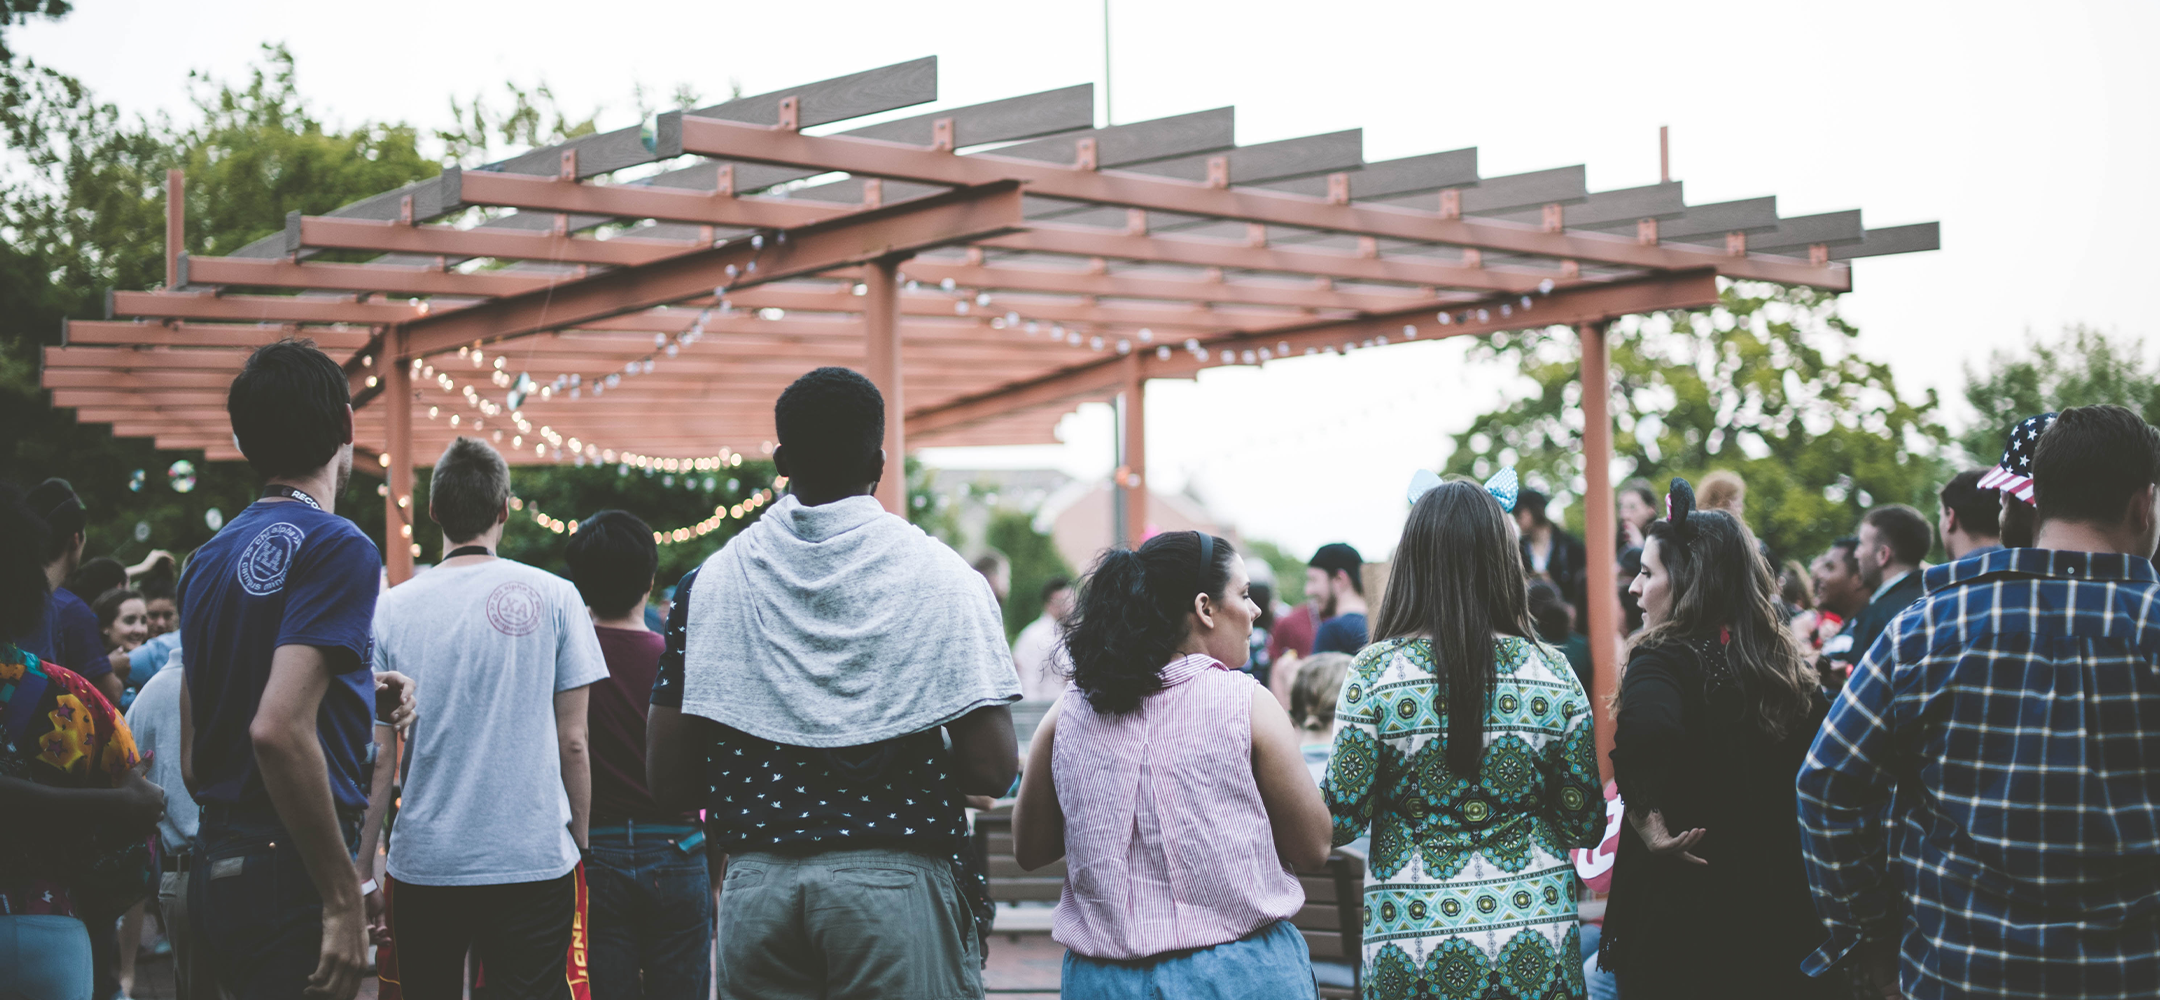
x: 1986, y: 791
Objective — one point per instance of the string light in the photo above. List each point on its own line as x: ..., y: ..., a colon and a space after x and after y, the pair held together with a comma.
x: 721, y: 515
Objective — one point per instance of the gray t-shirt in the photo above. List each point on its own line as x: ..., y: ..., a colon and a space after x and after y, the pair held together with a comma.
x: 155, y: 720
x: 488, y: 647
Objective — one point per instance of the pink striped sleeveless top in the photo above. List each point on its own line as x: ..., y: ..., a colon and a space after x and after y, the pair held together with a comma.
x: 1167, y: 845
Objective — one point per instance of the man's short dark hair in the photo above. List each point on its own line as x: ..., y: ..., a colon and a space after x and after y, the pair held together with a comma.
x: 1053, y: 585
x: 288, y: 408
x: 1535, y: 502
x: 55, y: 504
x: 832, y: 423
x: 612, y: 559
x: 1339, y: 557
x: 1904, y: 529
x: 2090, y: 464
x: 467, y: 492
x: 1978, y: 511
x: 1850, y: 545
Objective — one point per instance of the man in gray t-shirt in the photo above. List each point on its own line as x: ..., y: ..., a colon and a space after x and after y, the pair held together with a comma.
x: 497, y: 786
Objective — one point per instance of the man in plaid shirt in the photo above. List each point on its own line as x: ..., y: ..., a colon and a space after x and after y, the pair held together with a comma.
x: 1981, y: 811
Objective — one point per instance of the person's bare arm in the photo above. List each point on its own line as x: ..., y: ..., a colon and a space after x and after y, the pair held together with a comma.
x: 187, y: 736
x: 290, y: 757
x: 110, y: 685
x: 675, y: 747
x: 1296, y: 813
x: 986, y: 754
x: 386, y: 751
x: 1282, y: 676
x: 1038, y: 820
x: 576, y: 760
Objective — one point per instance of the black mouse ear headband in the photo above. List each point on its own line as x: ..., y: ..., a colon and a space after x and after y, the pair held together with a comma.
x: 1679, y: 503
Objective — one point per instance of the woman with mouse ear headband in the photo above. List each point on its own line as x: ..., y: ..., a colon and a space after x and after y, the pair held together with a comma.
x: 1716, y: 709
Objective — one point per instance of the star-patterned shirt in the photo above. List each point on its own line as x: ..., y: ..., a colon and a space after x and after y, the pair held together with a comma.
x: 768, y: 796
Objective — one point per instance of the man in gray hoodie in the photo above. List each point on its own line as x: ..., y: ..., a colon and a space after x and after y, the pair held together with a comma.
x: 815, y: 669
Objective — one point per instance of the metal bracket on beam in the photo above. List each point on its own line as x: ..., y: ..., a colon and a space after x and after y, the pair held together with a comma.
x: 569, y: 166
x: 1338, y: 189
x: 404, y: 210
x: 941, y: 134
x: 1368, y: 248
x: 1084, y: 155
x: 1451, y: 203
x: 1646, y: 232
x: 725, y: 177
x: 1570, y: 269
x: 873, y: 193
x: 1555, y: 218
x: 1818, y: 254
x: 1473, y: 257
x: 1218, y: 171
x: 1736, y: 244
x: 1255, y: 235
x: 791, y: 113
x: 1135, y: 222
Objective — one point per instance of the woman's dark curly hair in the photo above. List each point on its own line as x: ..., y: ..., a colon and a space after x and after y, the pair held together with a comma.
x: 23, y: 588
x: 1131, y: 617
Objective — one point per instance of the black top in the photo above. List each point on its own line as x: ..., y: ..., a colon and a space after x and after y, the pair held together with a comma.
x: 771, y: 796
x: 1868, y: 625
x: 1566, y: 567
x: 1740, y: 925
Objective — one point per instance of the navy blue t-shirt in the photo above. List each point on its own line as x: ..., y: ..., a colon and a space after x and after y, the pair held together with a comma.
x: 1341, y: 634
x: 68, y: 635
x: 280, y: 574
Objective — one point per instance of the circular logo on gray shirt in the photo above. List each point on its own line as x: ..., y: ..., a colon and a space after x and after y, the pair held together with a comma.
x: 514, y: 609
x: 264, y: 562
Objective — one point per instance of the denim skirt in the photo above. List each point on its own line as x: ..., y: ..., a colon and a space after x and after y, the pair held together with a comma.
x: 1271, y: 963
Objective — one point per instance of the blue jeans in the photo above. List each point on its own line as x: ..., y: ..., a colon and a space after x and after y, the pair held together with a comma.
x: 257, y: 917
x: 651, y: 911
x: 44, y: 958
x: 1272, y: 963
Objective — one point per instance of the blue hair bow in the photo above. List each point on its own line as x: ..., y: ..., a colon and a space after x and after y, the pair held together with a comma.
x: 1504, y: 486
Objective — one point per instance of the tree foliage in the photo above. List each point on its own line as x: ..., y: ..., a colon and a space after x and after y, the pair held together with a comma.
x: 1765, y: 384
x: 82, y: 207
x: 2082, y: 367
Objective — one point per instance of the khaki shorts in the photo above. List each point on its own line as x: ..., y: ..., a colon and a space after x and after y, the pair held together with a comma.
x: 841, y: 925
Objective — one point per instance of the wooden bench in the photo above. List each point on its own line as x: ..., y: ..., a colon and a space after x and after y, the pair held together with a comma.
x: 1333, y: 918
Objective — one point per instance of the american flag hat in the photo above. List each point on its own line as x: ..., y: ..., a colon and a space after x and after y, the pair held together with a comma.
x: 2013, y: 474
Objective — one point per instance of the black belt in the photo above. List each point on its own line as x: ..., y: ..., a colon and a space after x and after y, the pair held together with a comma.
x: 176, y: 861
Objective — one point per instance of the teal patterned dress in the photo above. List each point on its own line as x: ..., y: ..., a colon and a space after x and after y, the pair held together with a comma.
x: 1470, y: 894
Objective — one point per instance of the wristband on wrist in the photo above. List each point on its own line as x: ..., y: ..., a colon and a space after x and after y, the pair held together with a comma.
x: 368, y: 887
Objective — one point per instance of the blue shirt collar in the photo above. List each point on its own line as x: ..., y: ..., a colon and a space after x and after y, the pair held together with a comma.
x: 2056, y: 564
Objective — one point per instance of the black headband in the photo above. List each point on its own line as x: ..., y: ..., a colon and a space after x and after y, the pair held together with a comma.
x: 1679, y: 504
x: 1207, y: 555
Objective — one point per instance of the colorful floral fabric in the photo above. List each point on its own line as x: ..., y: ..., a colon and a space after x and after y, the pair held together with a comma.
x: 63, y: 734
x: 1470, y: 893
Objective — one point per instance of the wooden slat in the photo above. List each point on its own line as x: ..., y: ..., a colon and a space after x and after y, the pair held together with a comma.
x: 1455, y: 168
x: 1208, y: 131
x: 1893, y: 239
x: 1794, y: 234
x: 1709, y: 223
x: 1303, y: 156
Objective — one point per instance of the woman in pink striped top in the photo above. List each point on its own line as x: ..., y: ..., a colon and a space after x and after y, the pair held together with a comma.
x: 1174, y: 787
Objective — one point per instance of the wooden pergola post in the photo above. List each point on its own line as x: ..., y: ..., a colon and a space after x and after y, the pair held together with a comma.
x: 175, y: 225
x: 1601, y: 534
x: 881, y: 332
x: 397, y: 456
x: 1134, y: 478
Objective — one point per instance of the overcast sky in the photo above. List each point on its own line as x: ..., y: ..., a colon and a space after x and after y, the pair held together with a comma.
x: 2030, y: 131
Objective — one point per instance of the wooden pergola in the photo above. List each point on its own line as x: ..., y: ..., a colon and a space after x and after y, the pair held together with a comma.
x: 640, y: 296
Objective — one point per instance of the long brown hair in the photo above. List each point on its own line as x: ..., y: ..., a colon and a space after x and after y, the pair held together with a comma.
x: 1458, y: 580
x: 1720, y: 581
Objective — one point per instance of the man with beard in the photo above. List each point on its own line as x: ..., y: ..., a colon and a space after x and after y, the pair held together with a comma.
x: 1337, y: 573
x: 1893, y: 540
x: 279, y: 704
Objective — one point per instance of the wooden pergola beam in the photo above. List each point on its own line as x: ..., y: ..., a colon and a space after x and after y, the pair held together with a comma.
x: 888, y: 160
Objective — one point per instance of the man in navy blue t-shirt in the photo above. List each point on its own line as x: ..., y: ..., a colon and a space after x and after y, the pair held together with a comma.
x: 280, y: 702
x: 68, y: 633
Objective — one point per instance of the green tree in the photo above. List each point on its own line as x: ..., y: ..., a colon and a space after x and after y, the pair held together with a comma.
x: 2082, y: 367
x: 1766, y: 384
x: 1289, y: 570
x: 82, y: 205
x: 14, y: 12
x: 1035, y: 560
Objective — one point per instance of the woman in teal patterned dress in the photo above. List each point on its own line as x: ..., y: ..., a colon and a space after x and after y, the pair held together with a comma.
x: 1470, y: 894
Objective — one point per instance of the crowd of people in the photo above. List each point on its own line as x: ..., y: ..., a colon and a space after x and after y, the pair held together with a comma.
x: 1862, y: 776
